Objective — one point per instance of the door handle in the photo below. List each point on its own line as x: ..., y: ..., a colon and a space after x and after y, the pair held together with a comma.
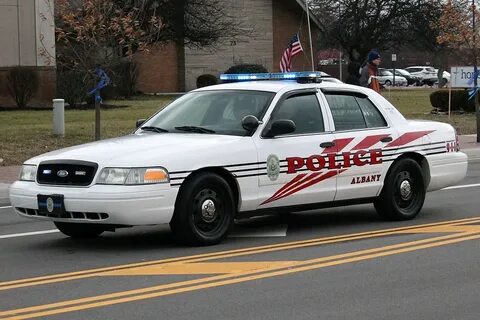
x: 386, y: 139
x: 327, y: 144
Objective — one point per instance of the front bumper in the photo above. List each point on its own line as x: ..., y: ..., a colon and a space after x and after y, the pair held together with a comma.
x: 100, y: 204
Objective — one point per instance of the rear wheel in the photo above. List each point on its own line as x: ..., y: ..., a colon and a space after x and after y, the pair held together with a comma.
x: 204, y: 210
x: 403, y: 193
x: 79, y: 230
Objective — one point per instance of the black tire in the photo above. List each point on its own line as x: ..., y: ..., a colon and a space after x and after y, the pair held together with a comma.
x: 204, y: 210
x: 79, y: 230
x: 403, y: 192
x: 388, y: 83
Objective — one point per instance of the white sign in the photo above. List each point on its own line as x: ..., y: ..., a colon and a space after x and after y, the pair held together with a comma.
x: 460, y: 76
x: 394, y: 57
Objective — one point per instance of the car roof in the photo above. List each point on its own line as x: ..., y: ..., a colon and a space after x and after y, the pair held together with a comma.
x: 275, y: 85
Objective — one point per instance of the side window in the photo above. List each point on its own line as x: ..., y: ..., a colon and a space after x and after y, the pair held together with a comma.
x: 346, y: 112
x: 373, y: 117
x: 303, y: 110
x: 352, y: 112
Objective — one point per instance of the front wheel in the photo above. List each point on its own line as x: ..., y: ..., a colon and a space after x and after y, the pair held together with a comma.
x: 79, y: 230
x: 388, y: 83
x: 403, y: 193
x: 204, y: 210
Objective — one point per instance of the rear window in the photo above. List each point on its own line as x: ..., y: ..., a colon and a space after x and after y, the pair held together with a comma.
x: 352, y: 112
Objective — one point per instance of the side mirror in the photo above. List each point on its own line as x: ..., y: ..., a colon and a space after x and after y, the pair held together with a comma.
x: 250, y: 123
x: 281, y: 126
x: 139, y: 122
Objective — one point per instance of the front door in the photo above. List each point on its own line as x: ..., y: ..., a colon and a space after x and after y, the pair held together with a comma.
x: 295, y: 171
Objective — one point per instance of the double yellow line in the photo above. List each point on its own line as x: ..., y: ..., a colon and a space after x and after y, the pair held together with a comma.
x: 225, y: 279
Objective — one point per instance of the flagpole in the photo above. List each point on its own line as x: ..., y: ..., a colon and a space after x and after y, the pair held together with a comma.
x: 310, y: 33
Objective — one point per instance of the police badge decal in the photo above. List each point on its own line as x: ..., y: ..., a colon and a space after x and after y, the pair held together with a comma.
x: 273, y: 167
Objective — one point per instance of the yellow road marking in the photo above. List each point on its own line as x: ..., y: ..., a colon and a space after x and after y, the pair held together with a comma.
x: 201, y: 268
x: 448, y: 229
x: 225, y: 254
x: 186, y: 286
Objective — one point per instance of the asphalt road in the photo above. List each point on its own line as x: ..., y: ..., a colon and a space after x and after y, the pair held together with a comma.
x: 342, y: 263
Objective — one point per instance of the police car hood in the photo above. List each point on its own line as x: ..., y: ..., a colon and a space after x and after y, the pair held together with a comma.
x: 175, y: 150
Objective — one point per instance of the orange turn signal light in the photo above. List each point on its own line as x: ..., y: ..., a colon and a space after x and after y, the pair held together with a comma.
x: 155, y: 175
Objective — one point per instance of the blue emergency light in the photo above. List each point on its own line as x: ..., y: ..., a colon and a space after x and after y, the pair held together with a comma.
x: 304, y: 76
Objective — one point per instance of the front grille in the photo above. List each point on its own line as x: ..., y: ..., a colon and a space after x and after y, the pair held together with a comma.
x: 66, y: 215
x: 67, y: 172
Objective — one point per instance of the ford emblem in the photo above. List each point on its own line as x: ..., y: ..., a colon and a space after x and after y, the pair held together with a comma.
x: 62, y: 173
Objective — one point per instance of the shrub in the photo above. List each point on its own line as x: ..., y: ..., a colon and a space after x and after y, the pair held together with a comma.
x: 22, y: 84
x: 460, y: 101
x: 71, y: 86
x: 206, y: 80
x: 247, y: 68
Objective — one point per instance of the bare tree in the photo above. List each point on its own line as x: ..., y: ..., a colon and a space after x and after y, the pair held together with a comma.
x: 99, y: 33
x: 194, y: 23
x: 357, y: 26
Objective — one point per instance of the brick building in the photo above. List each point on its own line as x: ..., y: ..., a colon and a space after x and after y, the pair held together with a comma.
x: 27, y: 37
x: 173, y: 68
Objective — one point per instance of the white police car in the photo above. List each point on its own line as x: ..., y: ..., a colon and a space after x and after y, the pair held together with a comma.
x: 247, y: 147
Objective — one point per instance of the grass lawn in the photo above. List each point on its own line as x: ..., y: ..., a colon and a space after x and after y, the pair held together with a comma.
x: 415, y: 104
x: 24, y: 134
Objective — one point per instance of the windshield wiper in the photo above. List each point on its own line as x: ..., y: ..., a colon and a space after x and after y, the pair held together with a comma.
x: 154, y: 129
x: 195, y: 129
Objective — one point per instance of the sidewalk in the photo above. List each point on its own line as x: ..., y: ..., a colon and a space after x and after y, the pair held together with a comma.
x: 468, y: 144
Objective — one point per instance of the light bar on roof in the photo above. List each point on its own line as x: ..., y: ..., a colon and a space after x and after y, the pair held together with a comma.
x: 304, y: 75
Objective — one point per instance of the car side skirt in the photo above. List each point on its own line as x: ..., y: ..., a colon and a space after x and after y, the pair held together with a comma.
x: 304, y: 207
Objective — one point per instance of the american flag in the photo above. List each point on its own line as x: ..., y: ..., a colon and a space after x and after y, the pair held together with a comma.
x: 294, y: 48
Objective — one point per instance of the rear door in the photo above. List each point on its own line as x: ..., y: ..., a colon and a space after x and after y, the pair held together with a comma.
x: 361, y: 133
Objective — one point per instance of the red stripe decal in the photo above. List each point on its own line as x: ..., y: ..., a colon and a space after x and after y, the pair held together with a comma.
x: 292, y: 184
x: 369, y: 141
x: 407, y: 138
x: 287, y: 186
x: 340, y: 144
x: 305, y: 184
x: 327, y: 175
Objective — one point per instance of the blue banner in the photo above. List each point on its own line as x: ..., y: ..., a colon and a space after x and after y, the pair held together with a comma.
x: 473, y: 92
x: 102, y: 83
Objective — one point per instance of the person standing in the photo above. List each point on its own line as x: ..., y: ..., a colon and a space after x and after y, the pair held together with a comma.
x: 369, y: 72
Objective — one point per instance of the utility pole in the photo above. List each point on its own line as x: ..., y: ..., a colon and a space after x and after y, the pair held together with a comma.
x: 310, y: 33
x: 475, y: 78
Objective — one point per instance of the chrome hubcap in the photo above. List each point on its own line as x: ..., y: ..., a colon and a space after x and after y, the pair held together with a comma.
x: 405, y: 190
x: 208, y: 210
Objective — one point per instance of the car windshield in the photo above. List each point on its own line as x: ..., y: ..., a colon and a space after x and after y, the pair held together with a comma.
x: 386, y: 73
x: 215, y: 111
x: 430, y: 69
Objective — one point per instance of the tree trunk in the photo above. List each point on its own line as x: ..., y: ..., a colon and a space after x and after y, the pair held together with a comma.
x: 180, y: 29
x: 97, y: 120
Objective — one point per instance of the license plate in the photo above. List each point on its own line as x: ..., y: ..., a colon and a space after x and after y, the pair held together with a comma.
x: 51, y: 204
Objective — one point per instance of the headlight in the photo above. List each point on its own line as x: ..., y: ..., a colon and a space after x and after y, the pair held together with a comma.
x: 28, y: 172
x: 133, y: 176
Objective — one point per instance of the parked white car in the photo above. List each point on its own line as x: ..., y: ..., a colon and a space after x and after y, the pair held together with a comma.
x: 251, y: 147
x: 445, y: 76
x: 426, y: 74
x: 385, y: 78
